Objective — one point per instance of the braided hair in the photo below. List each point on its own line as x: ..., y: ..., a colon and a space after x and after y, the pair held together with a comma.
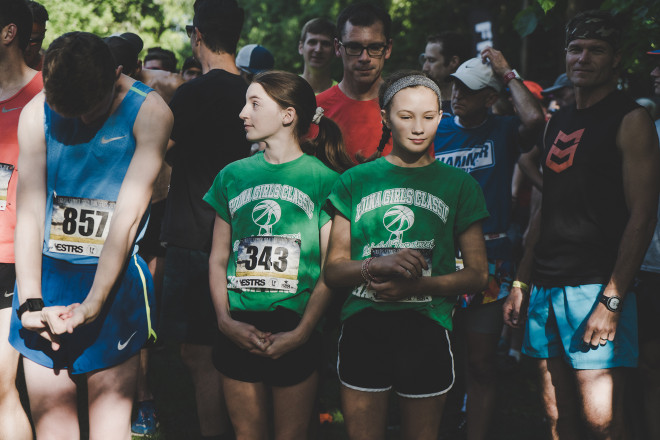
x: 392, y: 84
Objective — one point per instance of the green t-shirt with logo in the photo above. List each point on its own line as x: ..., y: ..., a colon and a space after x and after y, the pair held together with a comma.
x: 423, y: 208
x: 275, y: 213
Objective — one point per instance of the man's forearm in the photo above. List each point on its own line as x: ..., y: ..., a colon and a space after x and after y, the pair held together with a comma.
x: 527, y: 107
x: 634, y: 242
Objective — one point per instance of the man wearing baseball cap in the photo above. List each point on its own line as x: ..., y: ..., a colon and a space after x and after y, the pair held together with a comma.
x: 601, y: 175
x: 253, y: 59
x: 561, y: 93
x: 487, y: 146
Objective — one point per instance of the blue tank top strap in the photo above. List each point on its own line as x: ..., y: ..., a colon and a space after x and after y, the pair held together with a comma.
x: 130, y: 105
x: 141, y: 88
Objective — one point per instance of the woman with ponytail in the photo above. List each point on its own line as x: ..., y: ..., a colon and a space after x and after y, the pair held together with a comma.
x: 269, y: 243
x: 392, y: 242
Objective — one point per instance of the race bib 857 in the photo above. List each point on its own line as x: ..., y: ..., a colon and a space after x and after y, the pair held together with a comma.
x: 79, y: 226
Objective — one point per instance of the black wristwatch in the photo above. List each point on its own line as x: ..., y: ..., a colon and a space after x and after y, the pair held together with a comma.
x: 30, y: 305
x: 613, y: 303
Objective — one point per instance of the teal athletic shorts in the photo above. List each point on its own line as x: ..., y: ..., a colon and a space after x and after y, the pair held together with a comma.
x: 118, y: 333
x: 556, y: 322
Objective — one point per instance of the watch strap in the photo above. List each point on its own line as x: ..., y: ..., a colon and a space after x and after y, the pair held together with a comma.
x: 607, y: 300
x: 31, y: 305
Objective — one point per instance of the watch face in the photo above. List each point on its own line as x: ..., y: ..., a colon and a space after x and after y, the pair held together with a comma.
x: 613, y: 303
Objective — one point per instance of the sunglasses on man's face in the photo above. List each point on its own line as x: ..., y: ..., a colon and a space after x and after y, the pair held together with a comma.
x: 189, y: 30
x: 36, y: 40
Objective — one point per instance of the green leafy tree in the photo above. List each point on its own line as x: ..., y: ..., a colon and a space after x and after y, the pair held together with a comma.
x: 640, y: 18
x: 157, y: 22
x: 529, y: 32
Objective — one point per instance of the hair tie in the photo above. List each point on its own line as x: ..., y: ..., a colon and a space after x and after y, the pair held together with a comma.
x: 318, y: 115
x: 410, y: 81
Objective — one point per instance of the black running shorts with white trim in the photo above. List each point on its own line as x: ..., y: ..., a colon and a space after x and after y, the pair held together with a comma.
x: 7, y: 282
x: 402, y: 350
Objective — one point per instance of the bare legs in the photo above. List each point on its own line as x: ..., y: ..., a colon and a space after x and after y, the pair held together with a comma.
x: 247, y: 404
x: 53, y: 401
x: 211, y: 410
x: 481, y: 380
x: 649, y: 371
x: 595, y: 395
x: 14, y: 424
x: 365, y: 415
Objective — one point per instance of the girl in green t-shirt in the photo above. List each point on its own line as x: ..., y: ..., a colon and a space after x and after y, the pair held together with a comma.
x: 269, y: 242
x: 397, y: 223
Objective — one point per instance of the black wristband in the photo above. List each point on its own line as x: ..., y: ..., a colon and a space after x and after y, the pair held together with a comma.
x: 30, y: 305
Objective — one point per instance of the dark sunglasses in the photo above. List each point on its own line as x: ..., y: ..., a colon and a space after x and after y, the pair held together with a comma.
x: 36, y: 40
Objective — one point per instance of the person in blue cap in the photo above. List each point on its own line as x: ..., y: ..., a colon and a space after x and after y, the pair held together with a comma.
x: 253, y: 59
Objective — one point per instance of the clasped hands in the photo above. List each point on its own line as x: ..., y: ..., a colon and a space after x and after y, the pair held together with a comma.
x: 51, y: 322
x: 266, y: 344
x: 396, y: 273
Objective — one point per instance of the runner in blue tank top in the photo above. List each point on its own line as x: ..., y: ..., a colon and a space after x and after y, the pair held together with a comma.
x: 83, y: 295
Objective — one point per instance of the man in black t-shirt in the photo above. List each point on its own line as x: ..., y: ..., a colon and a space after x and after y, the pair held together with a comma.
x: 207, y: 135
x: 601, y: 174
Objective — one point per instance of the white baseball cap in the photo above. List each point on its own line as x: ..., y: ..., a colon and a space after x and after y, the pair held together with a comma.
x: 477, y: 75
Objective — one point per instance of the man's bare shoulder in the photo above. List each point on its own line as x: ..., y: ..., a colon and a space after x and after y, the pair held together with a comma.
x: 637, y: 130
x: 31, y: 130
x: 165, y: 83
x: 34, y: 110
x: 154, y: 114
x: 36, y: 101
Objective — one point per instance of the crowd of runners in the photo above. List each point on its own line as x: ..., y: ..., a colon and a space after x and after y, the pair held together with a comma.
x: 418, y: 222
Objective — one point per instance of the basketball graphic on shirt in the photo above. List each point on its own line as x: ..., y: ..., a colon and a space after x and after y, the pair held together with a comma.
x: 265, y: 215
x: 397, y: 220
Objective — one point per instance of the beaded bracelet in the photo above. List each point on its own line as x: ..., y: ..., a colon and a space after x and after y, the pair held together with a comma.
x: 365, y: 270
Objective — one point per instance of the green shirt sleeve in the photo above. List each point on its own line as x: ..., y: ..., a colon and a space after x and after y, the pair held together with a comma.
x: 327, y: 211
x: 340, y: 196
x: 217, y: 197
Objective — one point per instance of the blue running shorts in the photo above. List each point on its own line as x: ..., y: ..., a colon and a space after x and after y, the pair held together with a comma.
x: 556, y: 322
x: 118, y: 333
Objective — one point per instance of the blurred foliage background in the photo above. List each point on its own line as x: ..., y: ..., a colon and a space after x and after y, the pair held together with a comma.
x: 529, y: 32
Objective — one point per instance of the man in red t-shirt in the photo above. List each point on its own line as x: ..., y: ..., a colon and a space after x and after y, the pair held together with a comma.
x: 363, y: 44
x: 18, y: 84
